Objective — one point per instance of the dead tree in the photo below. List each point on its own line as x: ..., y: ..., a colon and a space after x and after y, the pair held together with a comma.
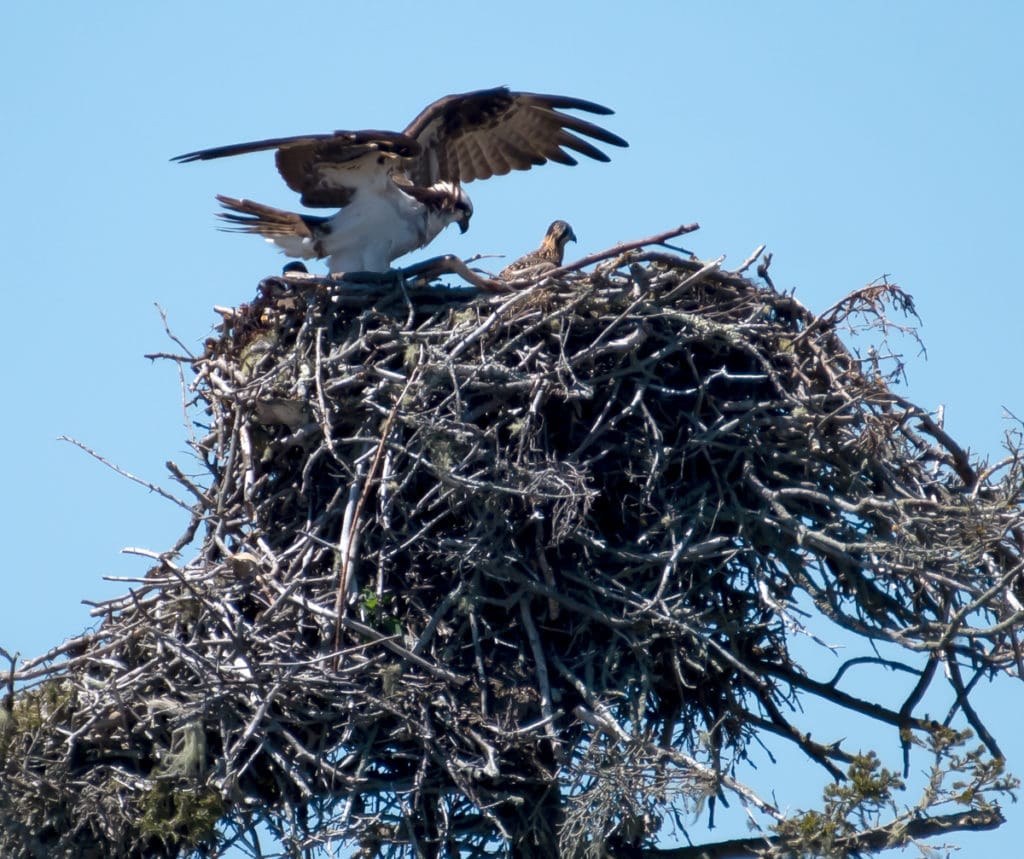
x: 520, y: 574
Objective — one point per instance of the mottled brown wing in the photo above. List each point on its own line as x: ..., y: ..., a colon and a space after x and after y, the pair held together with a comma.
x: 545, y: 258
x: 491, y: 132
x: 527, y: 266
x: 324, y: 168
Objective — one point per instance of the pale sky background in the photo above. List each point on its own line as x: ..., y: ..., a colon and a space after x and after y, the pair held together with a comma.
x: 855, y: 140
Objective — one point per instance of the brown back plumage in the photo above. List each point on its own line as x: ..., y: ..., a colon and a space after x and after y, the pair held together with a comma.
x: 545, y: 258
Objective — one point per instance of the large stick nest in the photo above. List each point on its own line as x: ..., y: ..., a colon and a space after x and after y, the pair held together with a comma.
x: 517, y: 567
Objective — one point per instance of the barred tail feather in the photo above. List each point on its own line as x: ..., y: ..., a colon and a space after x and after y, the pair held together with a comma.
x: 297, y: 235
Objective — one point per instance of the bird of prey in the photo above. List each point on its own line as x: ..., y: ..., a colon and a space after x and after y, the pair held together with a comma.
x: 396, y: 191
x: 545, y: 258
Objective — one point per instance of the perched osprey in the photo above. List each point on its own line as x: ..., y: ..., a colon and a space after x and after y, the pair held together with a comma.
x: 546, y: 258
x: 397, y: 191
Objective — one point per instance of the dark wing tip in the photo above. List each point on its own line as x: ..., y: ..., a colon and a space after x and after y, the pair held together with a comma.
x: 615, y: 140
x: 251, y: 146
x: 208, y: 154
x: 568, y: 102
x: 219, y: 152
x: 588, y: 129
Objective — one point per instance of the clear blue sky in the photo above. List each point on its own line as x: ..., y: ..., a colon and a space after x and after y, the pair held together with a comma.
x: 856, y: 140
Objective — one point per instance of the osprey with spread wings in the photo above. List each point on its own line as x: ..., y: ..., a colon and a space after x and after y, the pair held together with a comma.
x: 397, y: 191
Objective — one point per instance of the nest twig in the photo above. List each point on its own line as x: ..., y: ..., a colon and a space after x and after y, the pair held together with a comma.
x: 510, y: 567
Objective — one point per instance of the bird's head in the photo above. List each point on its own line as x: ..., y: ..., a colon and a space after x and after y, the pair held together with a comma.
x: 462, y: 208
x: 561, y: 233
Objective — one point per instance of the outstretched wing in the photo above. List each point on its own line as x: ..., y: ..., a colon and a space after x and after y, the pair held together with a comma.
x: 491, y: 132
x: 325, y: 169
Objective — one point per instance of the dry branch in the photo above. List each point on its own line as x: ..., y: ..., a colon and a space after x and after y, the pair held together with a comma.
x: 517, y: 568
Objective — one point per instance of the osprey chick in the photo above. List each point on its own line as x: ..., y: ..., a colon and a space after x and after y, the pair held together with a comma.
x: 396, y: 191
x: 545, y: 258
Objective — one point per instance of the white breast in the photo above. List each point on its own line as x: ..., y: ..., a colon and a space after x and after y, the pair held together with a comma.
x: 375, y: 229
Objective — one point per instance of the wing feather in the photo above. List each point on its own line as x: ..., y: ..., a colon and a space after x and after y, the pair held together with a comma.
x: 589, y: 129
x: 310, y: 163
x: 253, y: 146
x: 580, y: 145
x: 490, y: 132
x: 476, y: 158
